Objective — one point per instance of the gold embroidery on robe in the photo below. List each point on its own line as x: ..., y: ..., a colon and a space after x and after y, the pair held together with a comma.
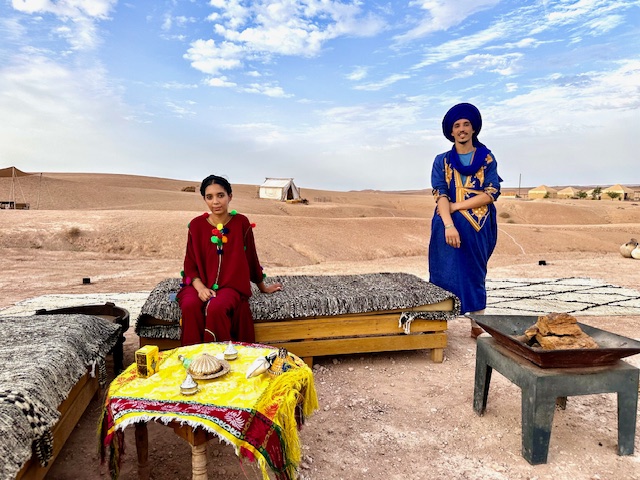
x: 475, y: 216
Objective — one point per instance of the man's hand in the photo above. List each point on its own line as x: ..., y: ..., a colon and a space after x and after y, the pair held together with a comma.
x: 452, y: 237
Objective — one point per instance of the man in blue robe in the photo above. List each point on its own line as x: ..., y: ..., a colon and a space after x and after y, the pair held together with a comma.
x: 464, y: 228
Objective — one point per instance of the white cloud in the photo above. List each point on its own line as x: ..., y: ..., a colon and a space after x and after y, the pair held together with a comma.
x: 599, y: 26
x: 260, y: 133
x: 390, y: 80
x: 566, y: 105
x: 472, y: 64
x: 74, y: 114
x: 359, y: 73
x: 178, y: 86
x: 210, y: 58
x: 180, y: 110
x: 462, y: 46
x: 258, y: 31
x: 11, y: 28
x: 220, y: 82
x: 67, y: 8
x: 81, y: 33
x: 270, y: 90
x: 528, y: 42
x: 591, y: 17
x: 442, y: 15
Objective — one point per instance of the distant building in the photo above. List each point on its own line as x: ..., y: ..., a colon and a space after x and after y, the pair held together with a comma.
x: 281, y: 189
x: 624, y: 193
x: 543, y: 192
x: 569, y: 192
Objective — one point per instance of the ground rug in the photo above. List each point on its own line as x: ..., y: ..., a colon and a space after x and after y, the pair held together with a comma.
x: 578, y: 296
x: 509, y: 296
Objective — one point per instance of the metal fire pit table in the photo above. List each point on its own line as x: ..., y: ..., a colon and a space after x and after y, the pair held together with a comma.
x: 543, y: 387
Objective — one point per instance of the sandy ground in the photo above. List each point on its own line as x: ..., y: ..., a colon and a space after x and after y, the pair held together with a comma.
x: 382, y: 416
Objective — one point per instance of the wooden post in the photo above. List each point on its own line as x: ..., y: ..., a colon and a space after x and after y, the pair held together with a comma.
x: 199, y: 462
x: 198, y: 439
x: 142, y: 449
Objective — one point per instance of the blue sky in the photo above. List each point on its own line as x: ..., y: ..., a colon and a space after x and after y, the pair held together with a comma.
x: 340, y: 95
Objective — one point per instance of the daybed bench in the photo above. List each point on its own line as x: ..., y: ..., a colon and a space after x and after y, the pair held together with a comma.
x: 51, y: 369
x: 326, y: 315
x: 108, y: 311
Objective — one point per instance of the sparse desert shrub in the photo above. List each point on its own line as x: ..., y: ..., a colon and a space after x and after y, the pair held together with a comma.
x: 504, y: 215
x: 613, y: 195
x: 510, y: 221
x: 189, y: 188
x: 73, y: 232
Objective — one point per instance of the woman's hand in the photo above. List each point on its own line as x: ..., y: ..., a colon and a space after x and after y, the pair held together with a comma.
x: 206, y: 294
x: 274, y: 287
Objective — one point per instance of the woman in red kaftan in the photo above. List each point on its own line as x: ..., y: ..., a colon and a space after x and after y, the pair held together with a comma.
x: 220, y: 262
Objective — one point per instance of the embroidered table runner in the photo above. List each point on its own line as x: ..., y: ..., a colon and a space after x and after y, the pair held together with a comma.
x: 255, y: 415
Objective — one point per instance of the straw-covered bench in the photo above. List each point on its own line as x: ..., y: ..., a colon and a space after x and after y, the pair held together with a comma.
x: 326, y: 315
x: 52, y: 366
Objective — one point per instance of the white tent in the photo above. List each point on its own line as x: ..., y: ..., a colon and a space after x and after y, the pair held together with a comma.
x: 282, y: 189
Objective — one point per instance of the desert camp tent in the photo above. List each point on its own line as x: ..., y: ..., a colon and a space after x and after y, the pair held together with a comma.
x: 542, y: 192
x: 591, y: 194
x: 8, y: 200
x: 624, y: 193
x: 12, y: 172
x: 282, y: 189
x: 569, y: 192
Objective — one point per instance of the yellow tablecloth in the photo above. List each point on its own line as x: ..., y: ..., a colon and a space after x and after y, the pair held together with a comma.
x: 256, y: 415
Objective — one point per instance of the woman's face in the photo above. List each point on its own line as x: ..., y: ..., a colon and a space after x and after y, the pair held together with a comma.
x: 217, y: 199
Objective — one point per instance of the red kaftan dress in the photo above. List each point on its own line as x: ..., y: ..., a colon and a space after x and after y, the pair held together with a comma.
x: 226, y: 316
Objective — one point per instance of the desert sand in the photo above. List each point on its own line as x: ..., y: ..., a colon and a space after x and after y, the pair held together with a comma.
x: 382, y: 416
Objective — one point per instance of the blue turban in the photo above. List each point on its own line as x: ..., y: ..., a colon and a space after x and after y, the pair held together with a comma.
x: 466, y: 111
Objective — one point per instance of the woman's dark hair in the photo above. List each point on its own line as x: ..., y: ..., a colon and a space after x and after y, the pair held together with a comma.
x: 211, y: 179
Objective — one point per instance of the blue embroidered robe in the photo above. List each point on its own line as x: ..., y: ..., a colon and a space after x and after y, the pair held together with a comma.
x: 463, y: 270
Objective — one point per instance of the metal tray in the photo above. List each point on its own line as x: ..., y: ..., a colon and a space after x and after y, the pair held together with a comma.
x: 613, y: 347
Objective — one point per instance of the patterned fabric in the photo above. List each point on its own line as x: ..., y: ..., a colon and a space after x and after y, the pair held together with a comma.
x: 246, y: 413
x: 43, y: 357
x: 307, y: 296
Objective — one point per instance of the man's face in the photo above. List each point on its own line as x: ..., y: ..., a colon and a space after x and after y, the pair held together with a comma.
x: 462, y: 131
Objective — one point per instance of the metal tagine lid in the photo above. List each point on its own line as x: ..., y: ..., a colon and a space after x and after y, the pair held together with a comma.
x: 204, y: 365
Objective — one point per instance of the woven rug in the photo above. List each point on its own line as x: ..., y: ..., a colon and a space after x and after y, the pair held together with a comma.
x: 42, y: 359
x: 578, y: 296
x: 306, y: 296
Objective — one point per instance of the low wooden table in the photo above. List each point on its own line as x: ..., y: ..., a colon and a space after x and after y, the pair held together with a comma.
x: 243, y: 412
x: 542, y: 388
